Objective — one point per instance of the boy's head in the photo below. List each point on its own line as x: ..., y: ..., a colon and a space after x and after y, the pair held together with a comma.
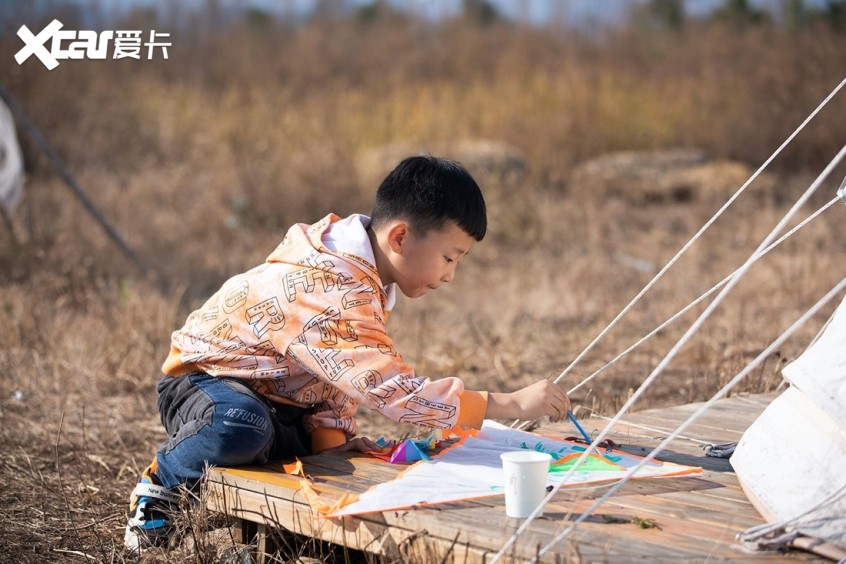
x: 427, y: 192
x: 428, y: 213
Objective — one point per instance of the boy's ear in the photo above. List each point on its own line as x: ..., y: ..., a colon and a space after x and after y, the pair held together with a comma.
x: 397, y: 236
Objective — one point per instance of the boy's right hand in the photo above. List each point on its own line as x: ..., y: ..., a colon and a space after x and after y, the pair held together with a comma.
x: 540, y: 399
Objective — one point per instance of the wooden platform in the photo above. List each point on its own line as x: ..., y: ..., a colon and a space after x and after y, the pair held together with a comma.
x: 697, y: 518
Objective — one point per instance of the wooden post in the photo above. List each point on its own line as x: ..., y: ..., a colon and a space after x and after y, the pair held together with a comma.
x: 81, y: 195
x: 256, y: 537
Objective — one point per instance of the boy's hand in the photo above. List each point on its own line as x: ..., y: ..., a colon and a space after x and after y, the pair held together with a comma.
x: 532, y: 402
x: 359, y: 444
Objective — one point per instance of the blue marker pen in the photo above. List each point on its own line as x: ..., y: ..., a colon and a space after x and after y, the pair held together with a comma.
x: 579, y: 427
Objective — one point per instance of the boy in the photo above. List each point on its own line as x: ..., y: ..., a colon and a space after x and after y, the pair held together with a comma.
x: 275, y: 364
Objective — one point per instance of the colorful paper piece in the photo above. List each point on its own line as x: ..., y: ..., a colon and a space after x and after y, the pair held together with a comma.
x: 593, y: 463
x: 317, y: 503
x: 403, y: 452
x: 473, y: 469
x: 409, y: 450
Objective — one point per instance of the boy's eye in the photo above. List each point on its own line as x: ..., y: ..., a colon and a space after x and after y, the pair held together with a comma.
x: 448, y: 259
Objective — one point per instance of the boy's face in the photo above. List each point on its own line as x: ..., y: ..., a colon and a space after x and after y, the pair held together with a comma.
x: 424, y: 263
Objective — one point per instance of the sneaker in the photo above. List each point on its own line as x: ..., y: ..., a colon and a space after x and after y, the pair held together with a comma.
x: 151, y: 510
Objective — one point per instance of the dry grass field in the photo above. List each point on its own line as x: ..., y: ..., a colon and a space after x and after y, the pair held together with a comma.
x: 205, y: 159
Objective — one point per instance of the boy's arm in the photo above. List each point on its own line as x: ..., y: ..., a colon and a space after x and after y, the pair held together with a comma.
x: 351, y: 353
x: 535, y: 401
x: 540, y: 399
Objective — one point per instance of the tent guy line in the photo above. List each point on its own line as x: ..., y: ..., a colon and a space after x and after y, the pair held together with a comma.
x: 660, y: 431
x: 694, y: 327
x: 692, y: 304
x: 696, y: 237
x: 705, y: 295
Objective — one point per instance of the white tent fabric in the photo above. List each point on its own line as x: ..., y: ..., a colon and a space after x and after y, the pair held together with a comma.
x: 820, y: 372
x: 792, y: 461
x: 11, y: 162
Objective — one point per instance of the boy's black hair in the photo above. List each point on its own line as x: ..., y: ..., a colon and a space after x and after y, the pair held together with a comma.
x: 428, y: 191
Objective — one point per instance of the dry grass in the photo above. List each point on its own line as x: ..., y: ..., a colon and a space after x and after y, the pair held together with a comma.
x: 204, y: 160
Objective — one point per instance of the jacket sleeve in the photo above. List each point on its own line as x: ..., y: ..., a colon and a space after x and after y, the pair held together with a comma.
x: 356, y: 358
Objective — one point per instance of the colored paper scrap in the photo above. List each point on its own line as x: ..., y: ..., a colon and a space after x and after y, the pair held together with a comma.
x: 409, y: 450
x: 593, y: 463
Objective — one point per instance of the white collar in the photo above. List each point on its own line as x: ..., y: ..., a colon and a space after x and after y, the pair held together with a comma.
x: 349, y: 235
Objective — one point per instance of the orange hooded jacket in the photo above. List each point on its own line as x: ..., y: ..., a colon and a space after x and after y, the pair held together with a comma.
x: 307, y: 328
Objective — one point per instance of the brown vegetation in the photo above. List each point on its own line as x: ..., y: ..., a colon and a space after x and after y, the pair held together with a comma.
x: 203, y: 161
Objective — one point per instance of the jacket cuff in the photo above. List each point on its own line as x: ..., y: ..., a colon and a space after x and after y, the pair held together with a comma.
x: 471, y: 409
x: 323, y: 438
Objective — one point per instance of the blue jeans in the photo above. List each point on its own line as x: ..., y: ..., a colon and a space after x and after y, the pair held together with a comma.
x: 221, y: 422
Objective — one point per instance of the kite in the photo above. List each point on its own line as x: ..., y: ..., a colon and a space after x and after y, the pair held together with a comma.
x: 471, y: 468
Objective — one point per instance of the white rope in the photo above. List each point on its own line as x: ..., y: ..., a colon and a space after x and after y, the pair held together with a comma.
x: 698, y: 300
x: 694, y: 303
x: 698, y: 234
x: 659, y: 431
x: 693, y: 417
x: 679, y: 344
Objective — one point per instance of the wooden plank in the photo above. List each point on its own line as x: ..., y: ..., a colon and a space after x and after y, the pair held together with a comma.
x: 698, y: 487
x: 355, y: 464
x: 707, y: 534
x: 713, y: 539
x: 660, y: 425
x: 299, y: 518
x: 259, y: 478
x: 639, y: 487
x: 542, y: 531
x: 693, y: 538
x: 699, y: 516
x: 732, y: 416
x: 734, y: 494
x: 668, y: 421
x: 359, y: 467
x: 728, y: 506
x: 649, y: 436
x: 621, y: 537
x: 669, y: 507
x: 754, y: 403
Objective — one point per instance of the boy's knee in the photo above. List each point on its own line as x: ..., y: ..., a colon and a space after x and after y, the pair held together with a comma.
x: 245, y: 432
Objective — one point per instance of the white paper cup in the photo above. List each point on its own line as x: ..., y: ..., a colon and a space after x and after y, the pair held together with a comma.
x: 525, y: 480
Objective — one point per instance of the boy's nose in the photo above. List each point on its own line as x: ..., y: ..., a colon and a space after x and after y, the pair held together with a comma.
x: 448, y: 275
